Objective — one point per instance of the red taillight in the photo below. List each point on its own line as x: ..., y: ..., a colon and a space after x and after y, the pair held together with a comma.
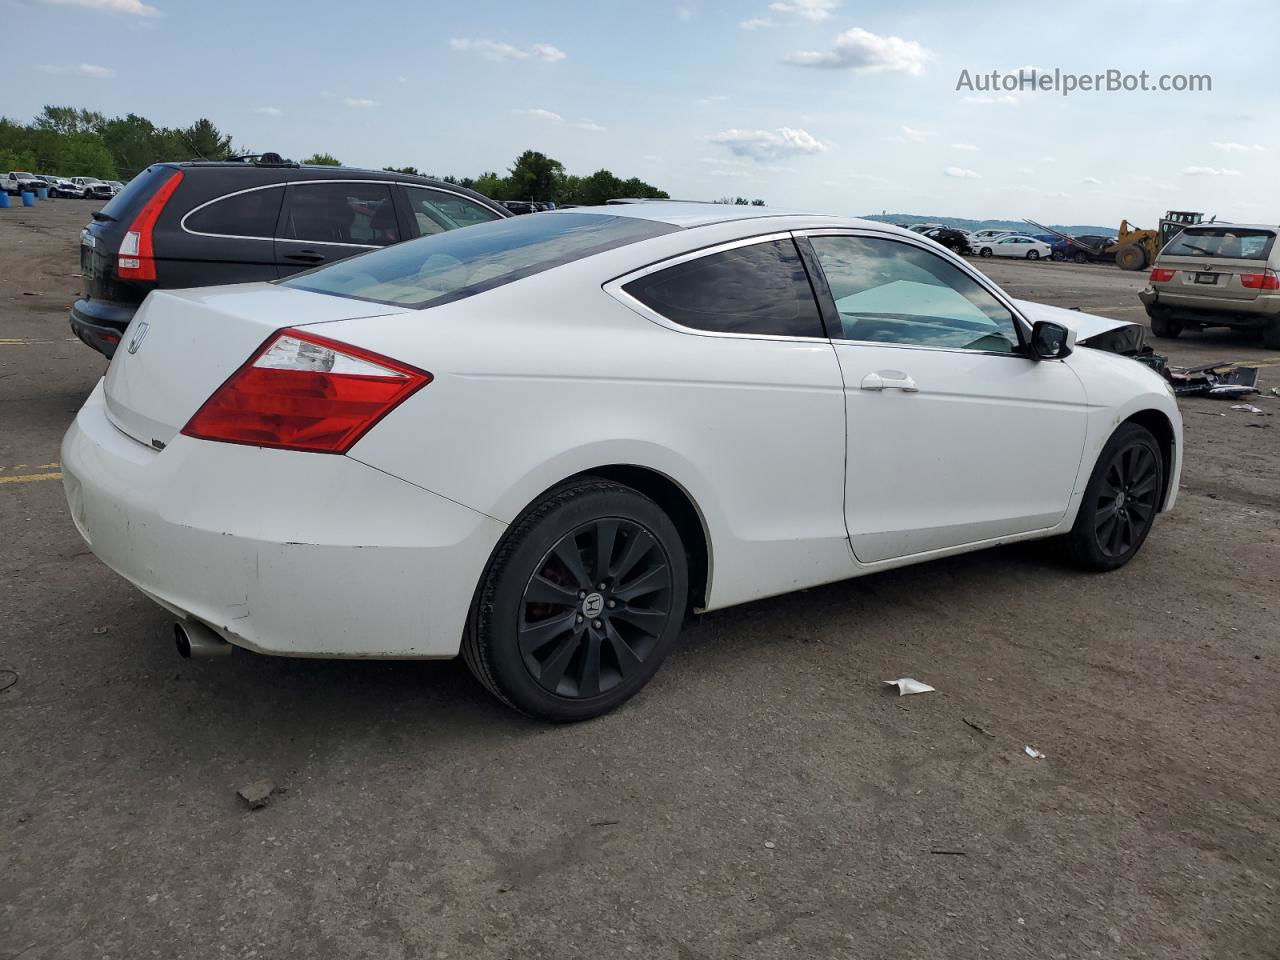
x: 303, y: 392
x: 136, y: 259
x: 1162, y: 276
x: 1260, y: 281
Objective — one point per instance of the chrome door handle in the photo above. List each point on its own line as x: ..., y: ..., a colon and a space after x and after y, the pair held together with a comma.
x: 889, y: 380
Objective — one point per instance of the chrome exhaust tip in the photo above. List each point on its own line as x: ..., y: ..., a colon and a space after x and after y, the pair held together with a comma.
x: 194, y: 639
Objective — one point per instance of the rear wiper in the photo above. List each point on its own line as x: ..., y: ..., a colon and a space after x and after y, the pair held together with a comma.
x: 103, y: 217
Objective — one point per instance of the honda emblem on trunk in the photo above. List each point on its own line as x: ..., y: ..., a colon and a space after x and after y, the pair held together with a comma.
x: 138, y: 336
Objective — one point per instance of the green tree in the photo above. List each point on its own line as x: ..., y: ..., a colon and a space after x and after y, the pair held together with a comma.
x: 84, y: 155
x: 492, y: 186
x: 534, y: 176
x: 323, y: 160
x: 68, y: 120
x: 410, y: 171
x: 205, y: 141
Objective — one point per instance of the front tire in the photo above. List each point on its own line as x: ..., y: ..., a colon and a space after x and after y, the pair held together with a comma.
x: 1121, y: 501
x: 985, y: 252
x: 1033, y: 255
x: 580, y: 604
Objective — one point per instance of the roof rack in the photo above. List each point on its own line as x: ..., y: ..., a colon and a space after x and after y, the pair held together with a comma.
x: 264, y: 160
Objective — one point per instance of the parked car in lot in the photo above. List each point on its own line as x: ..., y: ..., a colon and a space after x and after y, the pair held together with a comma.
x: 115, y: 185
x: 196, y: 224
x: 1217, y: 275
x: 61, y: 187
x: 1014, y: 245
x: 94, y: 189
x: 957, y: 241
x: 18, y: 181
x: 545, y: 440
x: 986, y: 236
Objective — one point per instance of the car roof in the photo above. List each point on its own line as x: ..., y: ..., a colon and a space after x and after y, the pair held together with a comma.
x: 688, y: 214
x: 314, y: 171
x: 1221, y: 224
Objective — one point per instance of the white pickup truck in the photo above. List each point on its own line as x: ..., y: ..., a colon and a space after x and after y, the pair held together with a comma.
x: 16, y: 182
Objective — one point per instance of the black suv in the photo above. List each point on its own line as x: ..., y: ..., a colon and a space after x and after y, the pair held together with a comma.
x: 201, y: 223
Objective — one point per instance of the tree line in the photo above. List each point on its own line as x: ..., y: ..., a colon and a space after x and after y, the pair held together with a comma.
x: 72, y: 142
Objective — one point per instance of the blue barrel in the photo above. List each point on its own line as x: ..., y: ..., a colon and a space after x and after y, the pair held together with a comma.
x: 4, y: 199
x: 28, y: 198
x: 42, y: 193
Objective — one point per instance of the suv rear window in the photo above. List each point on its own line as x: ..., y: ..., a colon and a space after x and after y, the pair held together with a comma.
x: 460, y: 263
x: 1222, y: 243
x: 136, y: 191
x: 252, y: 213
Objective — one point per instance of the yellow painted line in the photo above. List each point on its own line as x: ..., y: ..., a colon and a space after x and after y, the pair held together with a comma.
x: 19, y: 342
x: 37, y: 466
x: 31, y: 477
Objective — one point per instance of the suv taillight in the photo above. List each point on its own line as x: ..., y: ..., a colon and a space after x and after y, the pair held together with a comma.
x: 136, y: 259
x: 303, y: 392
x: 1267, y: 280
x: 1162, y: 276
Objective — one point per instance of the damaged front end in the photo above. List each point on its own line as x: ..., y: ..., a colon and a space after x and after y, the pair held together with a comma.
x: 1124, y: 337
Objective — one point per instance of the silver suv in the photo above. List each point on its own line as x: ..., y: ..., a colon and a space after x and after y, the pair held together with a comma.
x: 1217, y: 275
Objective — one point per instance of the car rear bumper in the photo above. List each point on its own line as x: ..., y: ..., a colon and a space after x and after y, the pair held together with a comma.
x: 1211, y: 310
x: 101, y: 324
x: 284, y: 553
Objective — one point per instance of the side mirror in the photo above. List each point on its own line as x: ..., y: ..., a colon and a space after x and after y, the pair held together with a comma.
x: 1051, y: 341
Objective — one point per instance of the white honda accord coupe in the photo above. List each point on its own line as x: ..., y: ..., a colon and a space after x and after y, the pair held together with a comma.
x: 545, y: 441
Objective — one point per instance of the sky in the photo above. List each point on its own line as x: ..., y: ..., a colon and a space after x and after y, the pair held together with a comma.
x: 838, y: 106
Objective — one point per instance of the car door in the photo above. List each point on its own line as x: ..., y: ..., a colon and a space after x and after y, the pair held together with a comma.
x: 955, y: 437
x: 328, y: 220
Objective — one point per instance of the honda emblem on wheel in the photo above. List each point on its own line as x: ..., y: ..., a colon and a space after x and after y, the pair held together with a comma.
x: 138, y: 336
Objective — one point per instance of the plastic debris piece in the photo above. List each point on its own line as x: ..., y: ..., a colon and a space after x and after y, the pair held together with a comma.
x: 1246, y: 407
x: 1033, y: 753
x: 908, y: 685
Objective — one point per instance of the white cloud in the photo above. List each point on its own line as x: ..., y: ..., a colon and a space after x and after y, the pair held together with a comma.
x: 591, y: 125
x: 1005, y: 98
x: 729, y: 173
x: 498, y: 51
x: 708, y: 101
x: 960, y: 173
x: 757, y: 23
x: 969, y: 147
x: 1092, y: 181
x: 134, y: 7
x: 269, y: 111
x: 402, y: 79
x: 1240, y: 147
x: 914, y: 135
x: 1058, y: 195
x: 361, y: 102
x: 763, y: 145
x: 541, y: 114
x: 866, y: 52
x: 808, y: 9
x: 79, y: 69
x: 1210, y: 172
x: 1048, y: 159
x: 685, y: 14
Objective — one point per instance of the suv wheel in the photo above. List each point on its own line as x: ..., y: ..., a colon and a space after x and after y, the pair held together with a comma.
x: 1271, y: 334
x: 1165, y: 326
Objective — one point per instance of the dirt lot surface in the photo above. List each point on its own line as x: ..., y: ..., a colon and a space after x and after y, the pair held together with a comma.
x: 764, y: 797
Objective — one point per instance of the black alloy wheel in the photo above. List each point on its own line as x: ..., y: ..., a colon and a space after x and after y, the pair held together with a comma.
x: 1121, y: 501
x: 595, y: 607
x: 581, y: 602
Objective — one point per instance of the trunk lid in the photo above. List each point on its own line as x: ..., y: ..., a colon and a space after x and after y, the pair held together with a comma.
x: 183, y: 344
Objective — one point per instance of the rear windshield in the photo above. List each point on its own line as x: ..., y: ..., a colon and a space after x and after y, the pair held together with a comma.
x: 460, y: 263
x: 1222, y: 243
x: 135, y: 192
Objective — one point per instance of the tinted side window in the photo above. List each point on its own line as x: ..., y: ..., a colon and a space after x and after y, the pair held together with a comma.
x: 250, y: 214
x: 350, y: 213
x: 435, y: 211
x: 887, y: 291
x: 760, y: 289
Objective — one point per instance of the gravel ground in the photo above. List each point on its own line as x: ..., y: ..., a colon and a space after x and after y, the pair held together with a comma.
x: 763, y: 797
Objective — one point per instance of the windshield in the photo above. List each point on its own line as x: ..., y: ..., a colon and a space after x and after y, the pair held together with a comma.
x: 460, y: 263
x: 1222, y: 243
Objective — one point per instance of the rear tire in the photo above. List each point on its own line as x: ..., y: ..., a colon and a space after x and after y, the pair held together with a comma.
x: 1164, y: 326
x: 1033, y: 255
x: 1121, y: 501
x: 984, y: 252
x: 581, y: 603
